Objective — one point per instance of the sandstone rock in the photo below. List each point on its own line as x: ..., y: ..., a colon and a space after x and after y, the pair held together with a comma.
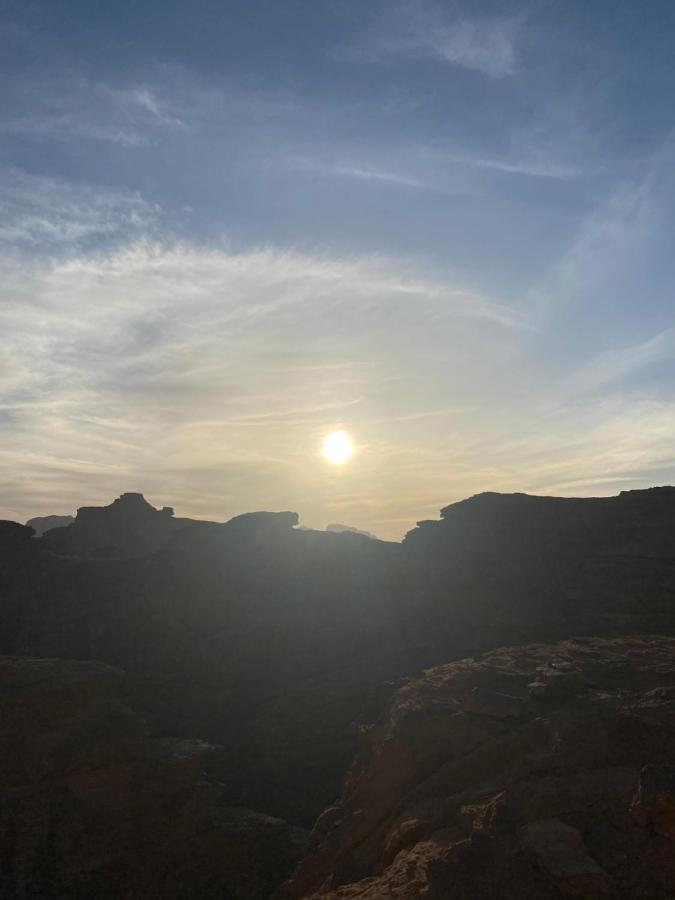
x: 444, y: 803
x: 561, y: 851
x: 92, y: 806
x: 484, y: 702
x: 654, y: 805
x: 556, y: 680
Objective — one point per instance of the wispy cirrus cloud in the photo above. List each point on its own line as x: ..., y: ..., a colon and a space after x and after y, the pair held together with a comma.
x: 49, y: 213
x: 84, y: 110
x: 609, y: 251
x: 615, y: 365
x: 487, y: 45
x: 361, y: 172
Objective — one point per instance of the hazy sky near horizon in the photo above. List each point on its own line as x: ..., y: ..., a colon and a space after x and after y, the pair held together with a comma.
x: 228, y: 227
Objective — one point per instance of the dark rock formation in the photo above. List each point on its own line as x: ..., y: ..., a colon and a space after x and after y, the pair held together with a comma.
x: 13, y: 535
x: 634, y: 523
x: 129, y: 527
x: 270, y: 640
x: 514, y: 568
x: 94, y: 807
x: 42, y: 524
x: 280, y: 643
x: 470, y: 788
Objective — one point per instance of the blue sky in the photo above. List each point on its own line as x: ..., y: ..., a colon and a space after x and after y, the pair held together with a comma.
x: 229, y: 227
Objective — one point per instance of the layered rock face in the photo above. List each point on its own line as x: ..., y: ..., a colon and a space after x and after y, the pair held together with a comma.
x: 92, y: 806
x: 538, y: 772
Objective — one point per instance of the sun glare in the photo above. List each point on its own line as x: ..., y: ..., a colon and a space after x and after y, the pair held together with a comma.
x: 338, y: 447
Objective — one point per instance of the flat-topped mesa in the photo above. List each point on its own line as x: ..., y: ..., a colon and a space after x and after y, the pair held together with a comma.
x: 633, y: 523
x: 263, y: 521
x: 128, y: 527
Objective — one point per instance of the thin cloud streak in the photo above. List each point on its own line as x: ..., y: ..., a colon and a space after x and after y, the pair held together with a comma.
x: 362, y: 173
x: 90, y: 111
x: 615, y: 365
x: 419, y: 30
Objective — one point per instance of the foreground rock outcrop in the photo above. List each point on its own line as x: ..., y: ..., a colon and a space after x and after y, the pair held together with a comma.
x: 92, y: 807
x: 539, y: 772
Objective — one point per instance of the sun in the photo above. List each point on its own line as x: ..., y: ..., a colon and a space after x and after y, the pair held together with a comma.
x: 338, y: 447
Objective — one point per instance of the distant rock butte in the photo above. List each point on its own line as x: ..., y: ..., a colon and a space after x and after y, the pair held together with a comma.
x: 128, y: 527
x: 341, y: 529
x: 471, y: 787
x: 41, y: 524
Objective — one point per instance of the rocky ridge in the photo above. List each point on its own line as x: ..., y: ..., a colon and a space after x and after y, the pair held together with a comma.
x: 129, y: 527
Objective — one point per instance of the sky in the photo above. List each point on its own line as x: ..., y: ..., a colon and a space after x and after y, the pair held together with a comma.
x: 230, y: 227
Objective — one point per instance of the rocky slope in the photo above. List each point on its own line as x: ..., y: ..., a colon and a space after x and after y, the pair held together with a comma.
x: 92, y: 806
x: 538, y: 772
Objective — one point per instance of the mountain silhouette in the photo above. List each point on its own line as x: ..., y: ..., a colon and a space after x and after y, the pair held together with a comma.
x: 42, y: 524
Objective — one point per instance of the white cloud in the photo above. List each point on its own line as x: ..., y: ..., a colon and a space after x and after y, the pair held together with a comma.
x: 50, y: 213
